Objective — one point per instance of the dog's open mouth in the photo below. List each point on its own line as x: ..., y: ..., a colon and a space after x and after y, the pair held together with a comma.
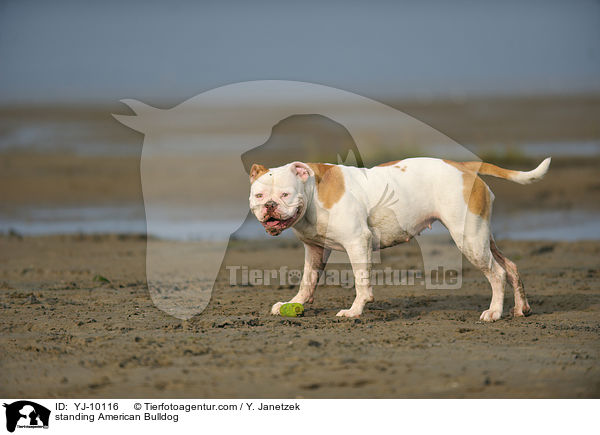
x: 276, y: 226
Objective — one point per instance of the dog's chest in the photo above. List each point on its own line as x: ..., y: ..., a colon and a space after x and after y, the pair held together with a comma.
x: 320, y: 234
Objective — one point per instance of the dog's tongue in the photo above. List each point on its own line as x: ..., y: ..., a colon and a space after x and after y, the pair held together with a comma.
x: 272, y: 223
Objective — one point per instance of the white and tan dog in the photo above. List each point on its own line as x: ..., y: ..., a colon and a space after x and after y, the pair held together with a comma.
x: 358, y: 209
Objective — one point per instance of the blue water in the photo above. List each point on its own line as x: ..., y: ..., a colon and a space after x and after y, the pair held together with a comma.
x: 543, y: 225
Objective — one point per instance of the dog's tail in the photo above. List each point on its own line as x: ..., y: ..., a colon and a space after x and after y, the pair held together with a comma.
x: 521, y: 177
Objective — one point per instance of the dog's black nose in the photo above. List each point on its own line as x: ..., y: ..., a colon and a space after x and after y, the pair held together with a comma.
x: 271, y: 205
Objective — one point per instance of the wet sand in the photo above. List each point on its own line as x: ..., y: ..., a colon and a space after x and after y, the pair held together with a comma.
x: 66, y: 335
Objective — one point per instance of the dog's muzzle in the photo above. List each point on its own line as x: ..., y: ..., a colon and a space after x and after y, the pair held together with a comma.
x: 274, y: 224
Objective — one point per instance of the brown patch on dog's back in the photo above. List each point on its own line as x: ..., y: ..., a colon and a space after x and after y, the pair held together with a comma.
x: 256, y: 171
x: 475, y: 192
x: 330, y: 183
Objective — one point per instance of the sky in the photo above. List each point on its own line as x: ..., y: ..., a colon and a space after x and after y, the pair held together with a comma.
x: 166, y: 52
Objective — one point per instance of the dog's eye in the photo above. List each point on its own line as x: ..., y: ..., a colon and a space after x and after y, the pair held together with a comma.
x: 285, y: 194
x: 258, y: 195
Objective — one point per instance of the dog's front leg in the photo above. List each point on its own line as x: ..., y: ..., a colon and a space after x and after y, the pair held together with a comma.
x: 360, y: 253
x: 315, y: 259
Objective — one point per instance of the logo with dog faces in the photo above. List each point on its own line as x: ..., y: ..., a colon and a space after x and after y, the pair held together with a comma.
x: 25, y: 414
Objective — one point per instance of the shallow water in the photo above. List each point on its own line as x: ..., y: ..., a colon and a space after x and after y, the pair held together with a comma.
x: 568, y: 225
x: 100, y: 137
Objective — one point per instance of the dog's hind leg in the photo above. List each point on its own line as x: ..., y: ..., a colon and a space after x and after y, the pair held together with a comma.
x: 522, y: 307
x: 471, y: 232
x: 476, y: 248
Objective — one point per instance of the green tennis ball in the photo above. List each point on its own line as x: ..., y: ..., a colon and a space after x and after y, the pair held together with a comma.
x: 292, y: 310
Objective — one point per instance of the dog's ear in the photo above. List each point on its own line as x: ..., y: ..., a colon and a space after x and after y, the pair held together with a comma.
x: 256, y: 171
x: 302, y: 170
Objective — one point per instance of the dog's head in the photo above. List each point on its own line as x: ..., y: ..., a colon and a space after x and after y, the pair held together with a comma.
x: 278, y: 195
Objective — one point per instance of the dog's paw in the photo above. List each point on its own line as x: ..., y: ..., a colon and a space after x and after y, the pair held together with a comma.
x: 348, y: 313
x: 521, y: 311
x: 276, y: 307
x: 490, y: 315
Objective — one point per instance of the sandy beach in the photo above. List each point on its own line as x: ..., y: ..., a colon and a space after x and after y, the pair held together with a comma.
x: 83, y: 338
